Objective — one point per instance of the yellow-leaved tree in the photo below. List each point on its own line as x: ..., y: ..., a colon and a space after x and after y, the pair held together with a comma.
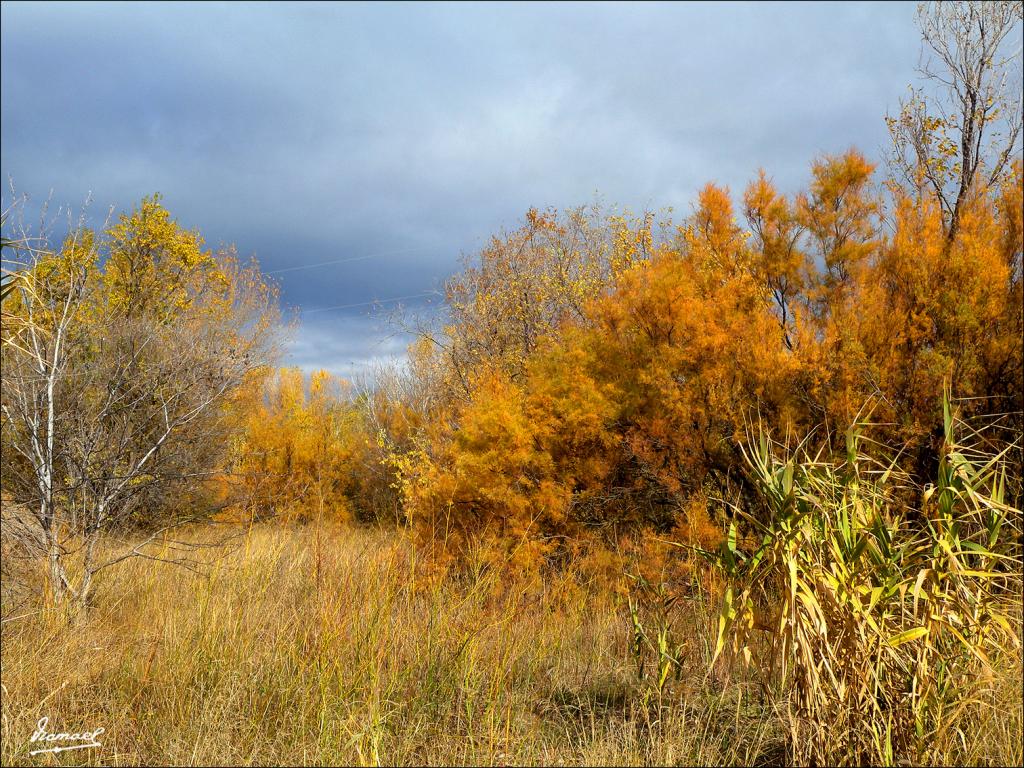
x: 119, y: 379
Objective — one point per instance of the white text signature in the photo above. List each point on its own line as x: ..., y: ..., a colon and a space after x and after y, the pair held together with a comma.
x: 88, y: 739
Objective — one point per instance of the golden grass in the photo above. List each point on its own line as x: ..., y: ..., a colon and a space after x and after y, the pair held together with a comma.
x: 252, y: 664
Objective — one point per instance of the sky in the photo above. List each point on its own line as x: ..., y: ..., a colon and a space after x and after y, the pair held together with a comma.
x: 394, y: 139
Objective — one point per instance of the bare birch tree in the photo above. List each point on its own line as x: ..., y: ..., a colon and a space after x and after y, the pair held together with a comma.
x: 106, y: 413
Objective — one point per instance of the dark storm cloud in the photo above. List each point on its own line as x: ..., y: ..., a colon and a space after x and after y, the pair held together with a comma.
x: 313, y: 133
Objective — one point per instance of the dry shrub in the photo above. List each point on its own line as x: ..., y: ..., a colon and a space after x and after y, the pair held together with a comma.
x: 886, y: 621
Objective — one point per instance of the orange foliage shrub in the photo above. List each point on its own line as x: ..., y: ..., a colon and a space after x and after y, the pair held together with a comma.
x: 294, y: 459
x: 603, y: 407
x: 597, y: 375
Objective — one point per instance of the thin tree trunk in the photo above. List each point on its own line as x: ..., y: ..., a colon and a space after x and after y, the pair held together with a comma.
x: 58, y: 575
x: 87, y: 570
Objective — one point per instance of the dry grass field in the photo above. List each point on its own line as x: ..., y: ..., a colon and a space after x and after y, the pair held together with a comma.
x: 369, y: 658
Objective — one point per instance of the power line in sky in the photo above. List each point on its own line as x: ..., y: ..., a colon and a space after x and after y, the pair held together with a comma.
x: 346, y: 260
x: 371, y: 303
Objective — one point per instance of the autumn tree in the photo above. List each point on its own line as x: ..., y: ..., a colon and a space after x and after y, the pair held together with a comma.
x: 298, y: 448
x: 116, y: 393
x: 618, y: 419
x: 623, y: 416
x: 951, y: 269
x: 779, y: 261
x: 963, y: 136
x: 524, y: 284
